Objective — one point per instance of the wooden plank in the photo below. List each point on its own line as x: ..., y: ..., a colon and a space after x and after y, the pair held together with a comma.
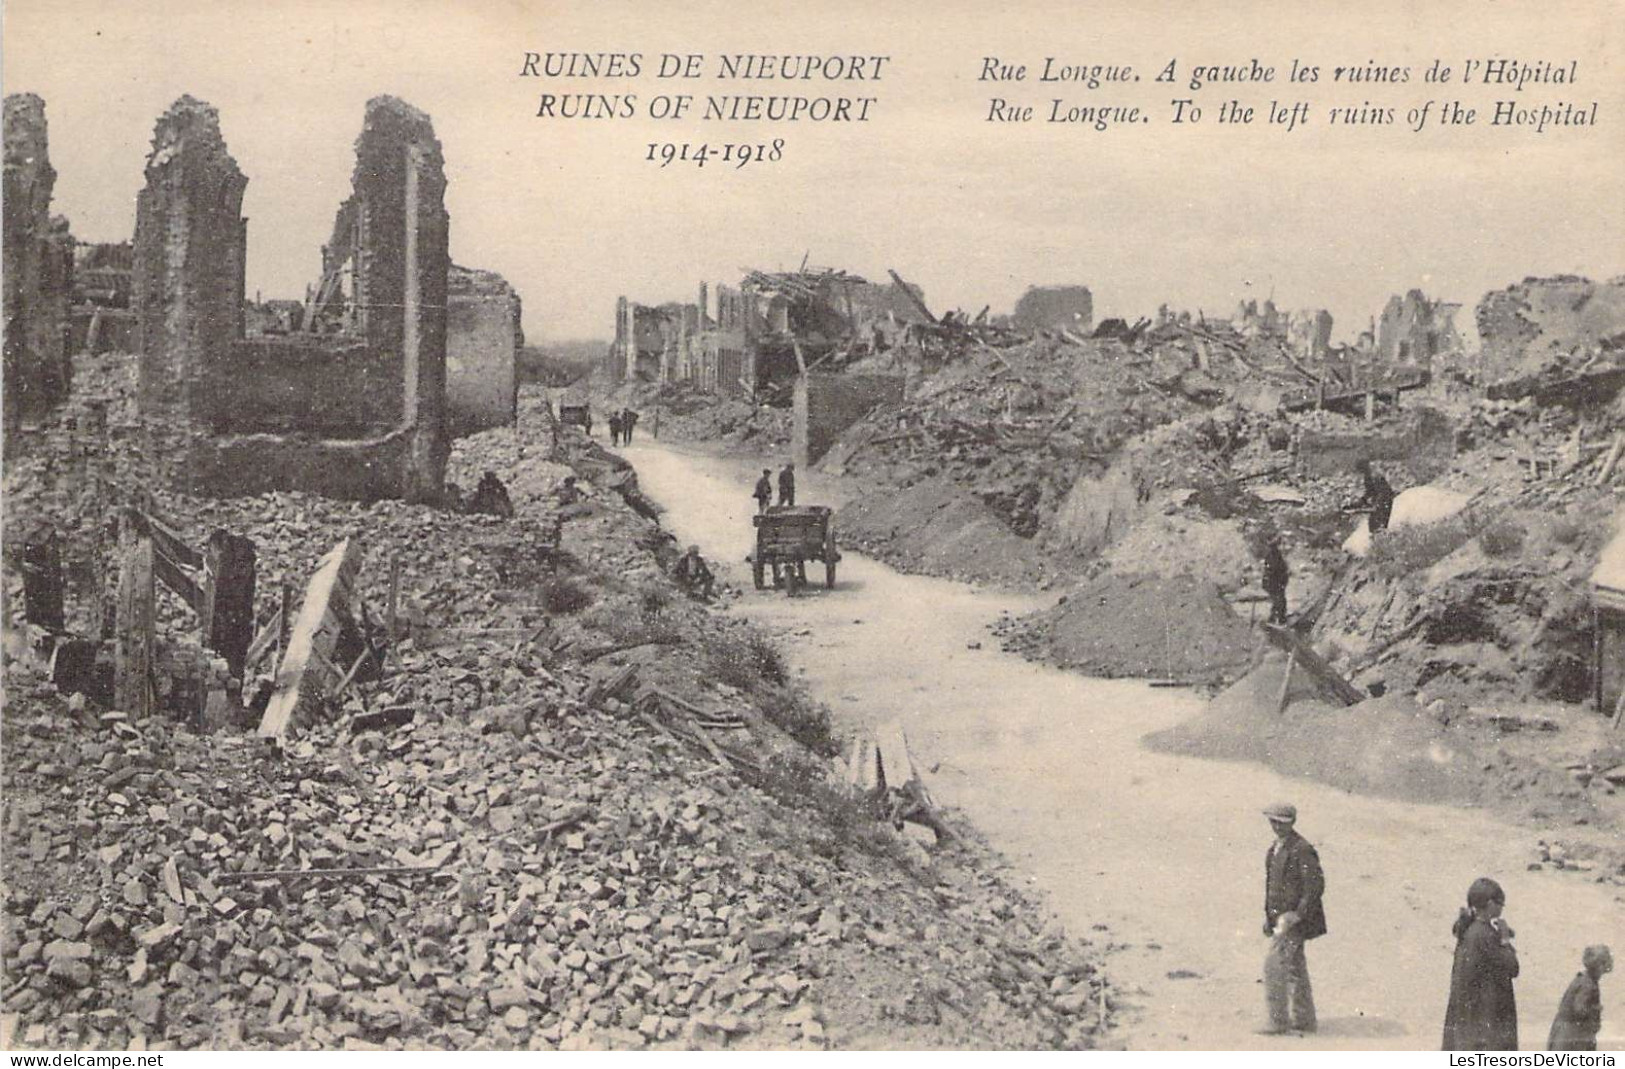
x: 1327, y: 681
x: 168, y: 542
x: 1286, y: 682
x: 913, y: 297
x: 1612, y: 462
x: 227, y: 608
x: 135, y: 623
x: 322, y: 616
x: 265, y: 641
x: 169, y: 573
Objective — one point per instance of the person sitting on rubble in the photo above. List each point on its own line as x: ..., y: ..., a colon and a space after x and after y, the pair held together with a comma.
x: 568, y: 492
x: 1379, y: 496
x: 694, y: 575
x: 491, y: 498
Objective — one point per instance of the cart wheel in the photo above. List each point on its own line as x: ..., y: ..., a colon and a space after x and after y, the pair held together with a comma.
x: 757, y: 573
x: 829, y: 575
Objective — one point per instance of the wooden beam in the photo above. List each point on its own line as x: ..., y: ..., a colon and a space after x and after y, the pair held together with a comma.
x: 1327, y: 681
x: 168, y: 542
x: 324, y: 613
x: 227, y: 609
x: 170, y: 574
x: 265, y: 640
x: 913, y: 297
x: 133, y: 648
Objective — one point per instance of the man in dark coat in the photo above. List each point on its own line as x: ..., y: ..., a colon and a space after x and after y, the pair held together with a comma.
x: 1379, y: 496
x: 629, y: 420
x: 1275, y: 577
x: 1482, y: 1013
x: 787, y: 485
x: 1293, y: 885
x: 764, y: 490
x: 616, y: 423
x: 1579, y: 1015
x: 694, y: 575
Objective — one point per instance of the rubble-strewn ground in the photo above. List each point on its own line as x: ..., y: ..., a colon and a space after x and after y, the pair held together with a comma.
x: 584, y: 873
x: 1128, y: 471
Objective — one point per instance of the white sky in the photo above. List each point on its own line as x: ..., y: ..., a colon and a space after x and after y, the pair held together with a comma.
x: 573, y: 216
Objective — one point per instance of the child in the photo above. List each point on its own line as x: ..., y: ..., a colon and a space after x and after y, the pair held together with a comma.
x: 1579, y: 1015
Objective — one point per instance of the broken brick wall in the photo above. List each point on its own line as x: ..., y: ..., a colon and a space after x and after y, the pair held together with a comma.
x: 827, y: 404
x: 38, y: 269
x: 364, y: 408
x: 401, y: 271
x: 483, y: 338
x: 190, y: 250
x: 332, y: 387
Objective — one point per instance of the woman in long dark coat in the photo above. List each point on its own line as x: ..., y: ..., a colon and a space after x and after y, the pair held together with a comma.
x: 1482, y: 1015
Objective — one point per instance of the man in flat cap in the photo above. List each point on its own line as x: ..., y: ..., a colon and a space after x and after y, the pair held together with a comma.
x: 1293, y: 884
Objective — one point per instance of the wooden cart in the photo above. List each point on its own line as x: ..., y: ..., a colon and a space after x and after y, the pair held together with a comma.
x: 787, y: 537
x: 577, y: 414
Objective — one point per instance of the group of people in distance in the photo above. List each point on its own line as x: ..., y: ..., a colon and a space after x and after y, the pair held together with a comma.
x: 621, y: 425
x: 764, y: 488
x: 1482, y: 1013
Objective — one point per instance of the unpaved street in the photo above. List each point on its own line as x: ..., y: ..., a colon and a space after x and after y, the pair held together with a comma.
x: 1166, y: 853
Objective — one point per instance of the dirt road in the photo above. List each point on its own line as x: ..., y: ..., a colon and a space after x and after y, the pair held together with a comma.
x: 1166, y: 853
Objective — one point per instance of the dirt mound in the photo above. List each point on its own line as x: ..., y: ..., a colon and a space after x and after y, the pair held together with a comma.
x: 934, y: 528
x: 1384, y: 746
x: 1175, y: 627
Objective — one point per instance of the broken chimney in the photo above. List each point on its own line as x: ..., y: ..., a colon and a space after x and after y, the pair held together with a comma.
x: 38, y: 270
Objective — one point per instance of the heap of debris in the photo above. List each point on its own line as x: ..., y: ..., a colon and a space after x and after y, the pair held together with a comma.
x: 508, y: 818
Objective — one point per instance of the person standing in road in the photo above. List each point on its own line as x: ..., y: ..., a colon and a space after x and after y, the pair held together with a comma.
x: 764, y: 490
x: 787, y: 485
x: 629, y: 420
x: 1293, y: 914
x: 1579, y: 1015
x: 1379, y: 496
x: 615, y: 426
x: 1275, y: 577
x: 1482, y: 1013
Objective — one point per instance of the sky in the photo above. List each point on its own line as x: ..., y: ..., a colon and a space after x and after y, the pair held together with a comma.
x: 570, y: 211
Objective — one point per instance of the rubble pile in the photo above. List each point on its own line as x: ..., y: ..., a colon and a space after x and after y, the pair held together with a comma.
x: 549, y: 824
x: 688, y: 412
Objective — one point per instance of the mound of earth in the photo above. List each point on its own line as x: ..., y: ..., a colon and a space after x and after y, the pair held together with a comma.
x: 933, y: 528
x: 1388, y: 746
x: 1173, y: 627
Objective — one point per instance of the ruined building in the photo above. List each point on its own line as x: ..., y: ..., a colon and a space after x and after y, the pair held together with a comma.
x: 1527, y: 328
x: 1054, y: 308
x: 1415, y: 330
x: 102, y: 320
x: 483, y: 338
x: 38, y: 270
x: 753, y: 339
x: 353, y: 404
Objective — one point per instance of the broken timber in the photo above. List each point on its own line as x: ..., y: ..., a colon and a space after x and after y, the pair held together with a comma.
x: 135, y: 630
x: 1301, y: 655
x: 324, y: 614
